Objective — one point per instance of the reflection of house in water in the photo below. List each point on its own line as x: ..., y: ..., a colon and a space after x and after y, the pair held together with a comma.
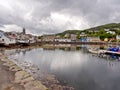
x: 23, y: 51
x: 49, y: 48
x: 93, y: 47
x: 70, y: 48
x: 84, y: 49
x: 66, y: 49
x: 73, y: 47
x: 46, y: 48
x: 2, y: 50
x: 18, y: 51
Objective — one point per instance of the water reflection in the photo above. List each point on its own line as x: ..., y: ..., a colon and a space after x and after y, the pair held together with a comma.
x: 74, y: 66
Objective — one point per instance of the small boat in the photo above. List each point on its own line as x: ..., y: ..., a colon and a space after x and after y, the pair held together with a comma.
x: 23, y: 42
x: 96, y: 51
x: 112, y: 53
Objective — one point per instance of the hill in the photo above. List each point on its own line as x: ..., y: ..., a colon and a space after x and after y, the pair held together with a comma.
x: 104, y: 31
x: 111, y: 26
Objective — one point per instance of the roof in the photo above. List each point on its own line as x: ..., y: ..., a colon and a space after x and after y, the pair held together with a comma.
x: 1, y: 31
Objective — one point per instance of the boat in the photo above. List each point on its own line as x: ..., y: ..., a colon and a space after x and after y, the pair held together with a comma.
x: 23, y: 42
x: 113, y: 51
x: 96, y: 51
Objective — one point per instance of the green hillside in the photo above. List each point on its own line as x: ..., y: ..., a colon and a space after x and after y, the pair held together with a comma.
x: 69, y: 32
x: 96, y: 31
x: 106, y: 26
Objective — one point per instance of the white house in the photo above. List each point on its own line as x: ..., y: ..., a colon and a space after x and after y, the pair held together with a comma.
x: 111, y: 32
x: 63, y: 40
x: 6, y: 40
x: 117, y: 37
x: 83, y: 34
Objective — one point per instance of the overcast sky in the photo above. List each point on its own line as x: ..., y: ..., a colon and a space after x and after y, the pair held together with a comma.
x: 54, y: 16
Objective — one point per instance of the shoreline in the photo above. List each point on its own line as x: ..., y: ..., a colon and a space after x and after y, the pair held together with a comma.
x: 28, y: 78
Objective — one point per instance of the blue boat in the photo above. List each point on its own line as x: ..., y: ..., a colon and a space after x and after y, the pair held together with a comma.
x: 113, y: 51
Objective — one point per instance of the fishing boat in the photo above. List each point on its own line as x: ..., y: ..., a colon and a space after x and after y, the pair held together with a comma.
x: 96, y: 51
x: 23, y: 42
x: 113, y: 51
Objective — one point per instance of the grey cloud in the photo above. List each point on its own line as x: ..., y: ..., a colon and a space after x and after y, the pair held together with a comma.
x: 39, y: 18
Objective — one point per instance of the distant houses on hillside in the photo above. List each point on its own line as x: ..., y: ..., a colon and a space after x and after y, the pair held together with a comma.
x: 69, y: 38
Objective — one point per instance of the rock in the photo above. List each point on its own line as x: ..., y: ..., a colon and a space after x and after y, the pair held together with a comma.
x: 4, y: 60
x: 15, y: 68
x: 34, y: 85
x: 9, y: 63
x: 6, y: 86
x: 20, y: 75
x: 50, y: 77
x: 26, y: 80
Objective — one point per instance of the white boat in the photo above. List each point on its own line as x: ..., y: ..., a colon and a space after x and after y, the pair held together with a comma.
x: 96, y: 51
x: 23, y: 42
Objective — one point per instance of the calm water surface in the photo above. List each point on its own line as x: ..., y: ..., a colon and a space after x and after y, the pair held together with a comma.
x: 77, y: 68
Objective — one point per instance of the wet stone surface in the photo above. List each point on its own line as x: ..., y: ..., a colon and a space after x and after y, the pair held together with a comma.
x: 15, y: 78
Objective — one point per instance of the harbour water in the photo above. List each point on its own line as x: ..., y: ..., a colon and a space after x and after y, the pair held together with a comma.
x: 73, y: 66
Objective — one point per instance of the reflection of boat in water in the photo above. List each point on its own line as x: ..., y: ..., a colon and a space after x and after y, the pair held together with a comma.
x: 93, y: 51
x: 96, y: 51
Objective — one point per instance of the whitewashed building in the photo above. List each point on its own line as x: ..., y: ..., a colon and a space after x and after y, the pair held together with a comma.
x: 63, y: 40
x: 117, y: 37
x: 111, y: 32
x: 83, y: 34
x: 4, y: 39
